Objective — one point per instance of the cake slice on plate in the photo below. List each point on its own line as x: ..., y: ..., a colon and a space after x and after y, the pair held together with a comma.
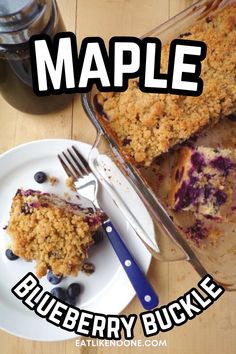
x: 51, y: 231
x: 203, y: 181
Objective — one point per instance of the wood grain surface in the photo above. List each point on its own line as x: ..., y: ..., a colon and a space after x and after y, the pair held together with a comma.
x: 215, y: 330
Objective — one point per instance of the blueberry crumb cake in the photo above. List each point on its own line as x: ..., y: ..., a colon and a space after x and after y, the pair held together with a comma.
x: 53, y: 232
x: 203, y: 181
x: 147, y: 125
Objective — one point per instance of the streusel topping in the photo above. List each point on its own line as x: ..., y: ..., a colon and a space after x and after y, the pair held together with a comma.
x: 54, y: 233
x: 148, y: 125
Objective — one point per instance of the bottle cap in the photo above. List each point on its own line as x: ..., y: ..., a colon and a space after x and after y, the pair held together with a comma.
x: 21, y: 19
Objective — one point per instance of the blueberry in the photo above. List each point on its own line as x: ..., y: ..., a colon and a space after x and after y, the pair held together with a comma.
x: 126, y: 141
x: 59, y: 293
x: 197, y: 232
x: 72, y: 301
x: 224, y: 164
x: 198, y: 161
x: 221, y: 197
x: 40, y: 177
x: 73, y: 290
x: 10, y: 255
x: 53, y: 279
x: 186, y: 195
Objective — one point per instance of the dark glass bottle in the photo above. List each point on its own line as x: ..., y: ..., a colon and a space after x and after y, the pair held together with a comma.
x: 19, y: 20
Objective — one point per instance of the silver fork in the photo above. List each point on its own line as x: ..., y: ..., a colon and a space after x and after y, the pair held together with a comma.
x: 76, y: 166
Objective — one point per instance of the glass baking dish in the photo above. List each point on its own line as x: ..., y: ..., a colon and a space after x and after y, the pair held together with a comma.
x: 217, y: 258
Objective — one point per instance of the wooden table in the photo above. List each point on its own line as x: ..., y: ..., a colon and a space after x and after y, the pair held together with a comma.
x: 215, y: 330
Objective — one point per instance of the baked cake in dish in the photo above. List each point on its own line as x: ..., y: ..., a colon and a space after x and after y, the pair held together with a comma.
x: 51, y: 231
x: 147, y: 125
x: 203, y: 181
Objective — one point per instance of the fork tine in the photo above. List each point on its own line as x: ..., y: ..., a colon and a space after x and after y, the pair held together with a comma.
x: 82, y: 159
x: 64, y: 165
x: 71, y: 167
x: 80, y: 167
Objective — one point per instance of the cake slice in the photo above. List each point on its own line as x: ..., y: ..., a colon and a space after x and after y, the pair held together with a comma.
x: 203, y: 181
x: 51, y: 231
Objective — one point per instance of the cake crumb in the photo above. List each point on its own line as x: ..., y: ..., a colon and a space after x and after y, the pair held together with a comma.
x: 67, y: 196
x: 70, y: 183
x: 88, y: 268
x: 53, y: 180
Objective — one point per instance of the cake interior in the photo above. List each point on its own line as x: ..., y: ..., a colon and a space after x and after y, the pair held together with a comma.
x: 202, y: 181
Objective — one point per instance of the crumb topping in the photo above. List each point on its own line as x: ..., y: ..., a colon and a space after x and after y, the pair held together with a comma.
x: 147, y: 125
x: 53, y: 232
x: 53, y: 180
x: 70, y: 183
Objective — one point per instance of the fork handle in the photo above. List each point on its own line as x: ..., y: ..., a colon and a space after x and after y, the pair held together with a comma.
x: 138, y: 279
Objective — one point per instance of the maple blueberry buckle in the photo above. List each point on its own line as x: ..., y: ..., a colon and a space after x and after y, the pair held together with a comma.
x: 203, y: 182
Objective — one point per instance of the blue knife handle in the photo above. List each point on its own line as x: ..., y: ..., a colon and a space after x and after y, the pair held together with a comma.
x: 138, y: 279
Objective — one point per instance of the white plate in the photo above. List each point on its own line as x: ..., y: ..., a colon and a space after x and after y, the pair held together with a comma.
x: 106, y: 291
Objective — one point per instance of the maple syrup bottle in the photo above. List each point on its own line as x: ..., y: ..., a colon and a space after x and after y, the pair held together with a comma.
x: 19, y: 20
